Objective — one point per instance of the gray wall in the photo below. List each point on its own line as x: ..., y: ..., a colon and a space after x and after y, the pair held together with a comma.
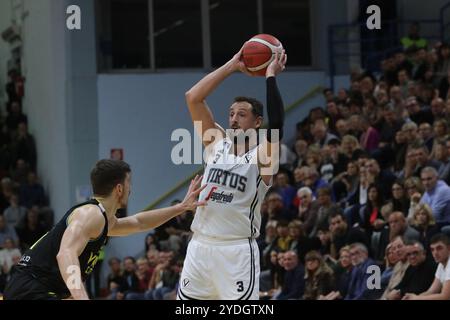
x: 44, y: 66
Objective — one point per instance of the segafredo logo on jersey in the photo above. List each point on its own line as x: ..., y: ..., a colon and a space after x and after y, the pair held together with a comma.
x: 219, y: 197
x: 189, y: 150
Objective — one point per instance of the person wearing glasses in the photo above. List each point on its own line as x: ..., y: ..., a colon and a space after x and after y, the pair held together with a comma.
x: 440, y: 288
x: 418, y: 276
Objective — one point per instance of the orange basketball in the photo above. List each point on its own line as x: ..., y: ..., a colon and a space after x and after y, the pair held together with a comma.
x: 259, y: 51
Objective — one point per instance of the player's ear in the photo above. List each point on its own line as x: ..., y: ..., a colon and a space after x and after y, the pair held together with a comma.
x: 119, y: 189
x: 259, y: 122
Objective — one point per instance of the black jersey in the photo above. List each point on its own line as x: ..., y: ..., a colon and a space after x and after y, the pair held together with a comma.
x: 40, y: 259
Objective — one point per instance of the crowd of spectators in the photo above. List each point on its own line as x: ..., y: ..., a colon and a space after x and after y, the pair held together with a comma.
x: 363, y: 189
x: 24, y: 212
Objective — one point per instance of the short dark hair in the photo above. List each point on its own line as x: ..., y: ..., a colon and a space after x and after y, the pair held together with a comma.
x: 129, y: 258
x: 440, y: 237
x: 335, y: 214
x: 106, y: 174
x: 113, y: 259
x: 257, y: 106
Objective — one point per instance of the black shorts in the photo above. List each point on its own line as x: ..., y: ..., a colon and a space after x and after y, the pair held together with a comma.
x: 24, y: 285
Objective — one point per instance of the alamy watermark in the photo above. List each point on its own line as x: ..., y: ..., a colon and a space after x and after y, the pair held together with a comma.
x: 73, y: 21
x: 189, y: 149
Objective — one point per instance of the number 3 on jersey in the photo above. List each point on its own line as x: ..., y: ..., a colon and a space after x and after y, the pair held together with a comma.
x: 240, y: 285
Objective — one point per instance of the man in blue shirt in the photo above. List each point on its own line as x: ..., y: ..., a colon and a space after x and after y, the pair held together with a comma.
x: 437, y: 196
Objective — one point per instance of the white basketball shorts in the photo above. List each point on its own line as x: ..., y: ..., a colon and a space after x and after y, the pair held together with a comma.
x: 220, y: 270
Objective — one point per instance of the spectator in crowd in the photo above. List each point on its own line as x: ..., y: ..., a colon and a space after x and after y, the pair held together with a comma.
x: 413, y: 38
x: 275, y: 207
x: 307, y: 209
x: 440, y: 288
x: 7, y: 232
x: 383, y: 178
x: 319, y: 277
x: 326, y: 207
x: 313, y: 181
x: 300, y: 242
x: 283, y: 240
x: 31, y: 230
x: 361, y: 261
x: 131, y: 282
x: 345, y: 183
x: 24, y: 146
x: 397, y: 227
x: 15, y: 116
x: 9, y: 255
x: 32, y: 193
x: 294, y: 282
x: 342, y: 271
x: 15, y: 213
x: 390, y: 260
x: 272, y: 279
x: 423, y: 221
x: 287, y: 192
x: 418, y: 276
x: 370, y: 137
x: 301, y: 147
x: 398, y: 245
x: 426, y: 134
x: 143, y: 274
x: 372, y: 219
x: 20, y: 173
x: 437, y: 196
x: 115, y: 279
x: 442, y: 155
x: 400, y: 201
x: 343, y: 235
x: 320, y: 134
x: 414, y: 191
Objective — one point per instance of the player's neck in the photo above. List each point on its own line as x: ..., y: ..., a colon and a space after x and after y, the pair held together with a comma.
x: 109, y: 204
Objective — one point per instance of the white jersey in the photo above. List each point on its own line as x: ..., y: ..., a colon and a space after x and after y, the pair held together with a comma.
x: 235, y: 192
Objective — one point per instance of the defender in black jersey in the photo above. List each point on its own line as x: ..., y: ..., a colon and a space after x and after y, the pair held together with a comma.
x: 56, y: 266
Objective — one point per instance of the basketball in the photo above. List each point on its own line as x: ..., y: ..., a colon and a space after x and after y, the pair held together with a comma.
x: 259, y: 52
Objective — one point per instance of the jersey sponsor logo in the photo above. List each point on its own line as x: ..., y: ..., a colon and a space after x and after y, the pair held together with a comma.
x: 93, y: 258
x: 24, y: 261
x: 227, y: 178
x: 185, y: 282
x: 219, y: 197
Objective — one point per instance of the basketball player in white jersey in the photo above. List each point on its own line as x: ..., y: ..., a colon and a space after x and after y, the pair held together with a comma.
x: 222, y: 260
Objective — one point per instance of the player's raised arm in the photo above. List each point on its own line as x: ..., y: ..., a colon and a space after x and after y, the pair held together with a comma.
x: 269, y: 149
x: 196, y: 96
x: 147, y: 220
x: 86, y: 223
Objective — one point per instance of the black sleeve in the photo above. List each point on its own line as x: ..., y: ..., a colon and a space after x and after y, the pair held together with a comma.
x: 275, y: 108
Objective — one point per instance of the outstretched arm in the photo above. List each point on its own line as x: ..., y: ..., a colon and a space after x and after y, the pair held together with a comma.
x: 268, y: 152
x: 196, y: 96
x: 147, y: 220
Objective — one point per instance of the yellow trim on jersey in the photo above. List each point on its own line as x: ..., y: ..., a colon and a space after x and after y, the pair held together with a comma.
x: 31, y: 248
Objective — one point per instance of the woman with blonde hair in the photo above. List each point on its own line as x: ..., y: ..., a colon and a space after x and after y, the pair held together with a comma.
x: 423, y: 221
x: 319, y: 277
